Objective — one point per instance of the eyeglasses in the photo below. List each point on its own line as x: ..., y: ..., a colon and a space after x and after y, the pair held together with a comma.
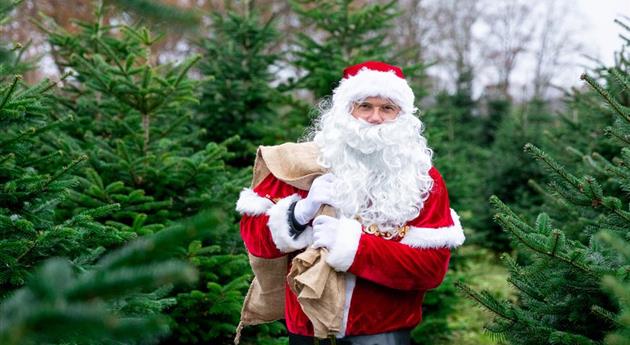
x: 388, y: 111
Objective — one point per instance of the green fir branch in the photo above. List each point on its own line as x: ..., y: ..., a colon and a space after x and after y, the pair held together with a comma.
x: 10, y: 91
x: 618, y: 133
x: 486, y: 300
x: 619, y: 109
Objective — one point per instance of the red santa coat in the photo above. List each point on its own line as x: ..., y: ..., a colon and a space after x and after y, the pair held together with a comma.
x: 386, y: 280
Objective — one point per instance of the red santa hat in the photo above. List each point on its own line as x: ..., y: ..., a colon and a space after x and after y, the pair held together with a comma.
x: 371, y: 79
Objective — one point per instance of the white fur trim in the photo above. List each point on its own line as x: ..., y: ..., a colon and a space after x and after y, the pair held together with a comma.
x: 341, y: 255
x: 448, y: 236
x: 370, y: 83
x: 351, y: 281
x: 279, y: 226
x: 252, y: 204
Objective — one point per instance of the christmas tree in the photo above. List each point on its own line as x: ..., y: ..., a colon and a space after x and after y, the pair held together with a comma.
x: 572, y: 274
x: 237, y: 97
x: 341, y: 33
x: 136, y: 120
x: 451, y: 130
x: 55, y: 284
x: 116, y: 299
x: 31, y: 190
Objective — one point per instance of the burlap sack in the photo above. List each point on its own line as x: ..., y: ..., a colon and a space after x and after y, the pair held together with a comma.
x: 320, y: 289
x: 292, y: 163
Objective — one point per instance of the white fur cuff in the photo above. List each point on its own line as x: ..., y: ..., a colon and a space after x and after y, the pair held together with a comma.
x: 444, y: 237
x: 279, y: 226
x: 342, y: 253
x: 251, y: 204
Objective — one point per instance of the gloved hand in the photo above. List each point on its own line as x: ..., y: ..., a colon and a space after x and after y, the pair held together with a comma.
x: 321, y: 192
x: 325, y: 230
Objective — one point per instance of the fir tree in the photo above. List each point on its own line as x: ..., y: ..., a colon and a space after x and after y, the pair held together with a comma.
x: 134, y: 118
x: 30, y: 190
x: 237, y: 99
x: 111, y: 301
x: 559, y: 280
x: 516, y: 124
x: 343, y: 33
x: 160, y: 12
x: 237, y: 96
x: 69, y: 298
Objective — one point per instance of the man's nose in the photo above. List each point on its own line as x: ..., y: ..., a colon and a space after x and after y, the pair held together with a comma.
x: 376, y: 117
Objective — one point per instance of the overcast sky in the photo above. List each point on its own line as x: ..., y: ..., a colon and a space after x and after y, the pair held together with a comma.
x: 601, y: 37
x: 592, y: 21
x: 602, y: 34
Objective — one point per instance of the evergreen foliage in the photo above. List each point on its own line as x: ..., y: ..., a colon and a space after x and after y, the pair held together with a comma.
x: 437, y: 306
x: 51, y: 289
x: 111, y: 301
x: 11, y: 55
x: 160, y: 12
x: 238, y: 99
x: 345, y: 33
x: 133, y: 119
x: 508, y: 180
x: 237, y: 95
x: 561, y: 296
x: 29, y: 196
x: 30, y: 190
x: 451, y: 132
x: 620, y: 289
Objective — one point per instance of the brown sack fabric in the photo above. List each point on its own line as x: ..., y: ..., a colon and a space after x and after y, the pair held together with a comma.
x: 320, y: 291
x: 295, y: 164
x: 319, y: 288
x: 264, y: 301
x: 292, y: 163
x: 268, y: 290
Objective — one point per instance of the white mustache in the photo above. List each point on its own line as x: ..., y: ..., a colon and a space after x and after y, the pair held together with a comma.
x: 370, y: 138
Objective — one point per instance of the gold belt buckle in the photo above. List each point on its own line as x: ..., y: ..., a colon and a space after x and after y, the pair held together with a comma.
x: 374, y: 230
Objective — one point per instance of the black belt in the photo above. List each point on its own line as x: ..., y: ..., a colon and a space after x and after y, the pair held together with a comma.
x: 391, y: 338
x: 296, y: 339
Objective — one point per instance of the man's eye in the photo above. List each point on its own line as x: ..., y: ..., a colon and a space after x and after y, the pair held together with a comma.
x: 364, y: 106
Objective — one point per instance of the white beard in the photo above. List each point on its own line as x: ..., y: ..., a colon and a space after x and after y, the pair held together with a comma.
x: 382, y: 170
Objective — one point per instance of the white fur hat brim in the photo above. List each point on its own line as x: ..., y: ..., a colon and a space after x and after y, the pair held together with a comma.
x: 371, y: 83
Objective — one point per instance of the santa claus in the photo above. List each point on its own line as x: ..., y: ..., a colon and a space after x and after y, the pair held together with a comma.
x: 393, y: 229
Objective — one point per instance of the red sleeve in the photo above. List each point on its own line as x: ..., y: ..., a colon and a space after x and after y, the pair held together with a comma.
x: 254, y: 222
x: 399, y: 266
x: 414, y: 264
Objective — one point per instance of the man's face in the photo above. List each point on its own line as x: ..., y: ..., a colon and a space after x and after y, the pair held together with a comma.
x: 375, y: 110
